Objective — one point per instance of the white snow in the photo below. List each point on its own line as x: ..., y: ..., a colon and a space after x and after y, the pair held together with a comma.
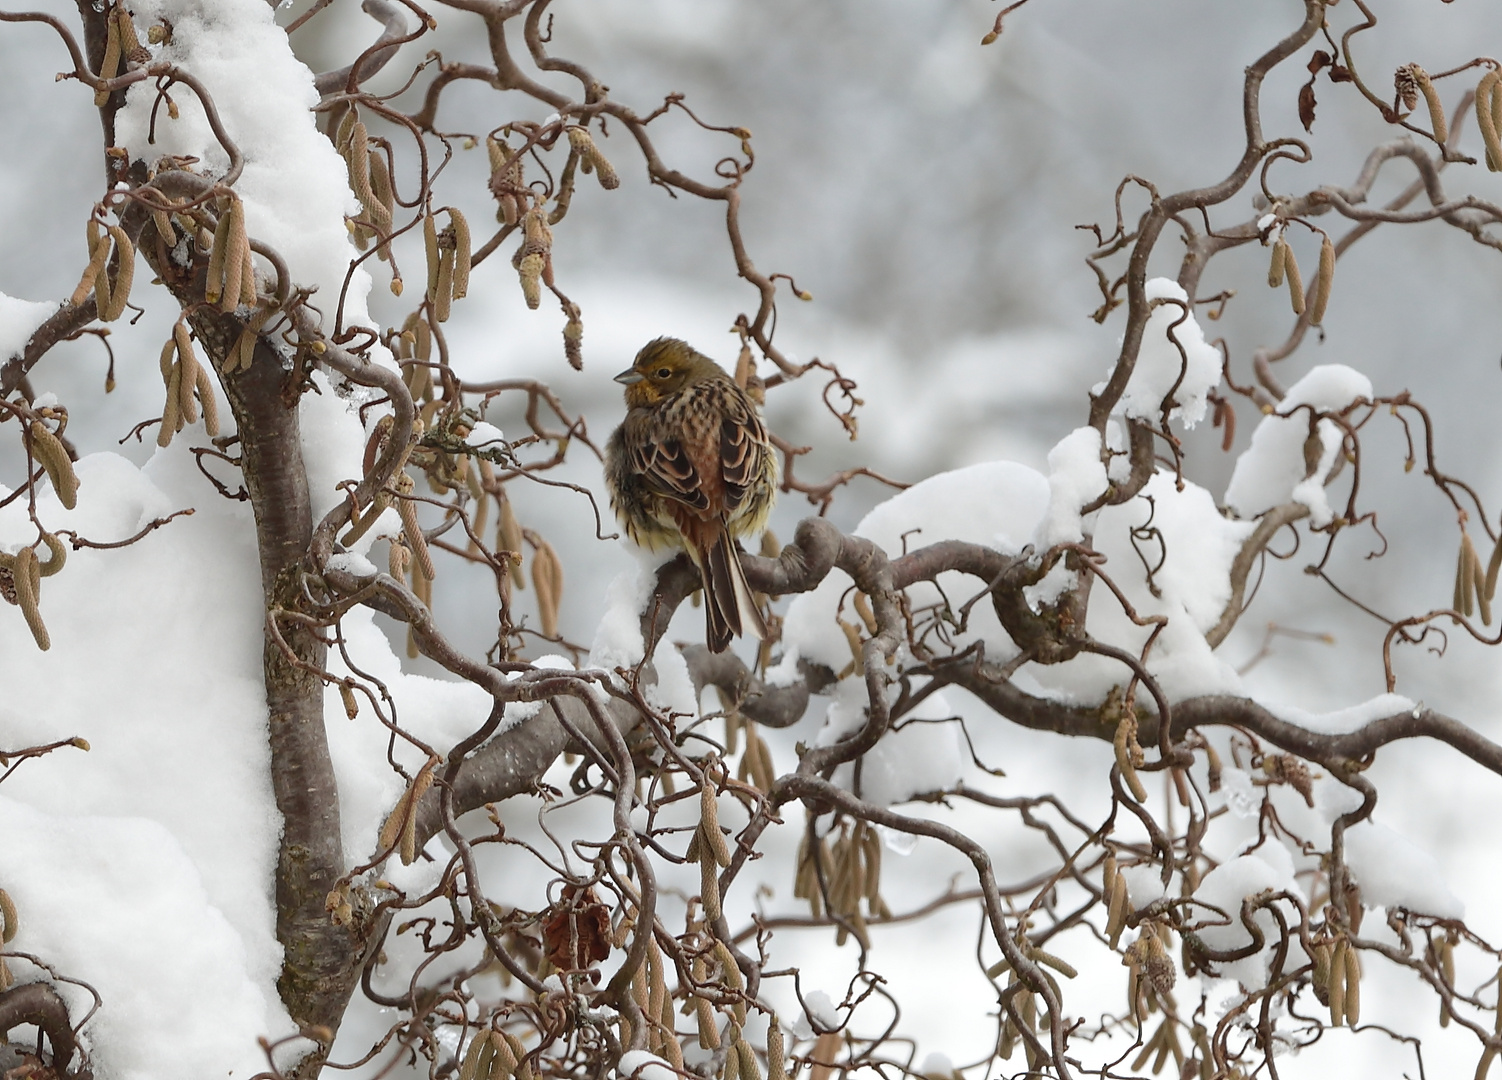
x: 1273, y: 470
x: 915, y: 758
x: 485, y: 436
x: 1076, y: 477
x: 351, y: 563
x: 618, y: 642
x: 846, y: 712
x: 168, y: 632
x: 116, y: 901
x: 1341, y: 721
x: 518, y: 712
x: 1224, y: 888
x: 294, y: 186
x: 1144, y: 884
x: 821, y: 1013
x: 640, y: 1065
x: 1160, y: 364
x: 1242, y: 797
x: 1394, y: 872
x: 785, y: 672
x: 1119, y: 467
x: 1201, y: 545
x: 333, y: 448
x: 440, y: 712
x: 997, y: 503
x: 19, y: 319
x: 1194, y: 586
x: 673, y: 692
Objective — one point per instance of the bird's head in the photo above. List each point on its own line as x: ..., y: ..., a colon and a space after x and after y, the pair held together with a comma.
x: 662, y: 368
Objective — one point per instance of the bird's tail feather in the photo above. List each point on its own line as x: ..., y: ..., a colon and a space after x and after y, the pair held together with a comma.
x: 729, y: 605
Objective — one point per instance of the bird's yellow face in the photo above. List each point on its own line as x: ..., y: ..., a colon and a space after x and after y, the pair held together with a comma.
x: 663, y: 368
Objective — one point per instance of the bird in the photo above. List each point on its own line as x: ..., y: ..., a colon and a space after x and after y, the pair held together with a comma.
x: 691, y: 467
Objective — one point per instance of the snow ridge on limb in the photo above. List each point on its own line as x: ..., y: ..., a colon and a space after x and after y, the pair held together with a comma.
x: 1294, y: 448
x: 1384, y: 720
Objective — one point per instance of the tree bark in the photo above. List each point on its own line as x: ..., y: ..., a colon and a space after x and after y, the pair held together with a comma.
x: 320, y: 963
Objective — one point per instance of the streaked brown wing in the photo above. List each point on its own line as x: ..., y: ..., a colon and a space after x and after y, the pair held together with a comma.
x: 663, y: 463
x: 743, y: 441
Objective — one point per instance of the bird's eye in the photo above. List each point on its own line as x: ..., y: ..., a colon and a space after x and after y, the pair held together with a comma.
x: 663, y: 373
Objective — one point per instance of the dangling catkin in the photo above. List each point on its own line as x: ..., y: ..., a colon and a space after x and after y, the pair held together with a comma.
x: 776, y: 1053
x: 1322, y: 281
x: 26, y: 574
x: 1280, y: 254
x: 119, y: 289
x: 477, y: 1061
x: 99, y: 253
x: 50, y: 453
x: 547, y: 578
x: 57, y: 555
x: 1295, y: 280
x: 1486, y: 118
x: 8, y: 918
x: 461, y: 253
x: 109, y: 67
x: 1436, y: 107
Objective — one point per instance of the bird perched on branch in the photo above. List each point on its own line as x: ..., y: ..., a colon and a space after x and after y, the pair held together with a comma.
x: 692, y: 467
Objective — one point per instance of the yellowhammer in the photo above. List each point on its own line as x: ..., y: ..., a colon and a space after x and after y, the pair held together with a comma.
x: 691, y: 467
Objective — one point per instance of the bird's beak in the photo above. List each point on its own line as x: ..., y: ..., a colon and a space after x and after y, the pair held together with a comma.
x: 630, y: 377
